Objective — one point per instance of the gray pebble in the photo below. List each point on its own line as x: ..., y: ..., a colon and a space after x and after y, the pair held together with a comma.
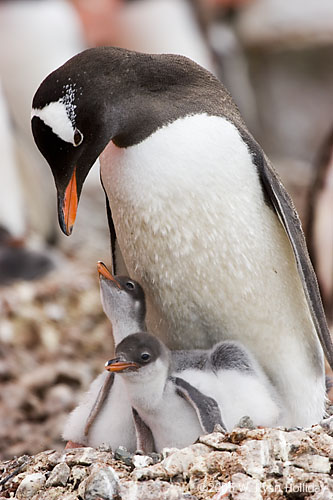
x: 156, y: 457
x: 124, y: 455
x: 30, y: 485
x: 102, y: 483
x: 246, y: 423
x: 59, y: 475
x: 78, y: 474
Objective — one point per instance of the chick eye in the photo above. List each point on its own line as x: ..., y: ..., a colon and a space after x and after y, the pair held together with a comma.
x: 145, y: 356
x: 78, y: 137
x: 130, y: 285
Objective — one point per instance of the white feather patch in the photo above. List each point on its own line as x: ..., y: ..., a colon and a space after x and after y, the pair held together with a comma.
x: 55, y: 116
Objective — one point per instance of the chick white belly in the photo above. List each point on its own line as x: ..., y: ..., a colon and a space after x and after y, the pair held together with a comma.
x: 213, y: 258
x: 173, y: 422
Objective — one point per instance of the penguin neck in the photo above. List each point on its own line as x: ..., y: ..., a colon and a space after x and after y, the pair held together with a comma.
x: 147, y: 387
x: 124, y: 326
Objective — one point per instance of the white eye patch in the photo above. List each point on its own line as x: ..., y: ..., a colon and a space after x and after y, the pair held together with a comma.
x: 55, y: 116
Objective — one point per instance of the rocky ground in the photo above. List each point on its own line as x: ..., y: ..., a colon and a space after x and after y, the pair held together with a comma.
x: 246, y: 464
x: 54, y: 340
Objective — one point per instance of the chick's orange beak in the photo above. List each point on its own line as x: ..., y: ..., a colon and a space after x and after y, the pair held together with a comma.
x: 70, y: 203
x: 103, y: 271
x: 114, y: 365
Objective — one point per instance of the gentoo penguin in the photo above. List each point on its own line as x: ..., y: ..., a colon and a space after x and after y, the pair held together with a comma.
x: 224, y: 388
x: 173, y: 410
x: 200, y: 217
x: 94, y: 421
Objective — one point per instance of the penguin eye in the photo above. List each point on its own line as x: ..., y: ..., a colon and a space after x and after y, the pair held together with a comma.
x: 130, y: 285
x: 145, y: 356
x: 78, y: 137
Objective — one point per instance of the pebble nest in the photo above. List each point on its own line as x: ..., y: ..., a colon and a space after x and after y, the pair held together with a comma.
x: 251, y: 464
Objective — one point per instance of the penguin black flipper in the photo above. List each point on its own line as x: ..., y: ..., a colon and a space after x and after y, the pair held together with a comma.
x: 118, y: 265
x: 144, y: 437
x: 206, y: 408
x: 287, y: 214
x: 100, y: 400
x: 113, y: 235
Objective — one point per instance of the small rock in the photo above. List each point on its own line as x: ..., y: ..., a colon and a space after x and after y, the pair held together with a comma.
x: 82, y: 456
x: 55, y: 458
x: 168, y: 451
x: 198, y: 467
x: 246, y: 423
x: 224, y: 491
x: 78, y: 474
x: 220, y: 462
x: 59, y: 475
x: 152, y: 490
x: 30, y: 485
x: 313, y: 463
x: 254, y: 457
x: 298, y: 443
x: 105, y: 447
x: 156, y: 457
x: 238, y: 435
x: 124, y: 455
x: 102, y: 483
x: 179, y: 461
x: 219, y: 428
x: 216, y: 440
x: 322, y: 441
x: 327, y: 424
x: 142, y: 461
x: 152, y: 472
x: 55, y: 493
x: 244, y: 487
x: 300, y: 484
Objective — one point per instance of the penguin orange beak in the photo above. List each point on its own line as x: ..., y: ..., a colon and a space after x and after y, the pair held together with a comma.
x: 103, y: 271
x: 69, y: 205
x: 117, y: 365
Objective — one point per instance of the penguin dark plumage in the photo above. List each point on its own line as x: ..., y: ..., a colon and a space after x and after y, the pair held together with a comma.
x: 185, y: 178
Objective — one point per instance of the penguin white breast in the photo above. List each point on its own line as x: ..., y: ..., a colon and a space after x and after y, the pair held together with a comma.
x: 194, y: 229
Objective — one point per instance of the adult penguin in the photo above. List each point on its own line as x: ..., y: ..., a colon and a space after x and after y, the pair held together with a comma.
x: 200, y: 217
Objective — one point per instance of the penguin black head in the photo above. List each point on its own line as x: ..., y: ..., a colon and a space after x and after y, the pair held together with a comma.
x: 105, y: 94
x: 123, y: 299
x: 69, y: 127
x: 137, y: 351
